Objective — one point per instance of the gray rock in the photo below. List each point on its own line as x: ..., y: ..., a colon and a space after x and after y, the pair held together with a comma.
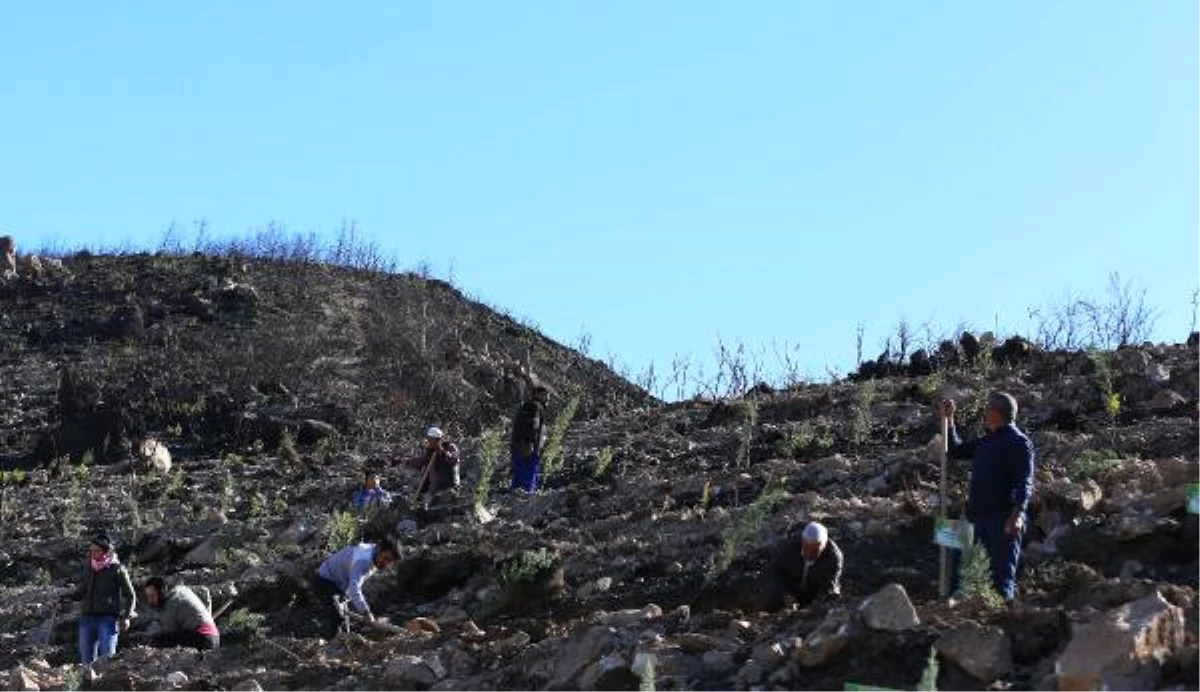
x: 203, y: 555
x: 828, y: 640
x: 1123, y: 649
x: 581, y: 651
x: 719, y: 662
x: 889, y: 610
x: 405, y: 671
x: 982, y: 651
x: 1165, y: 400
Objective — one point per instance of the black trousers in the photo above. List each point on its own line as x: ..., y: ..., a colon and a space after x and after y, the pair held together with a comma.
x: 328, y: 618
x: 195, y: 640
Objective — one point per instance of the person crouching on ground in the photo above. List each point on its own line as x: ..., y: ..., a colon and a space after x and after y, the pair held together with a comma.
x: 371, y: 494
x: 107, y: 602
x: 183, y: 619
x: 808, y: 567
x: 343, y: 575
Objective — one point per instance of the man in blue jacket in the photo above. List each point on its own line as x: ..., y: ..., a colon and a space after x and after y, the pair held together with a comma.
x: 1001, y: 483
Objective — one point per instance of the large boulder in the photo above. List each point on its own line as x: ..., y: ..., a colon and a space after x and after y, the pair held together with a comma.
x: 889, y: 610
x: 828, y: 640
x: 982, y: 651
x: 579, y: 652
x: 1166, y: 400
x: 1123, y: 649
x: 1075, y: 497
x: 406, y: 671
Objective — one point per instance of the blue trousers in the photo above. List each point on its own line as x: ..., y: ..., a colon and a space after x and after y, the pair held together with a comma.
x: 1003, y: 552
x: 97, y: 637
x: 525, y: 471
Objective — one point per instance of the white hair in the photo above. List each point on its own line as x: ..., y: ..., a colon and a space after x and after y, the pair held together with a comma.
x: 815, y: 533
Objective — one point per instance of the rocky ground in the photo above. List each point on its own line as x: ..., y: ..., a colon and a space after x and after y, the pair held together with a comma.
x: 639, y: 562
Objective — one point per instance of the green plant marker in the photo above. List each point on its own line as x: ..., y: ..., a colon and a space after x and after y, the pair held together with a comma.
x: 953, y: 533
x: 1193, y: 496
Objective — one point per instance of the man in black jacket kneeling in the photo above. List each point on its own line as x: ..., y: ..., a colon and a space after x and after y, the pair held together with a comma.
x: 808, y: 567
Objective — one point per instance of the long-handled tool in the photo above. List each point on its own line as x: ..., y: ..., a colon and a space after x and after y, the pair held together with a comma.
x: 424, y: 476
x: 943, y: 552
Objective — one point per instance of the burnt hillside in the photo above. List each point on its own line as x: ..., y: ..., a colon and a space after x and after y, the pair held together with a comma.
x: 222, y: 351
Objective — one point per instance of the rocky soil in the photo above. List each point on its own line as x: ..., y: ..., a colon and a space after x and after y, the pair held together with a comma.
x: 638, y: 563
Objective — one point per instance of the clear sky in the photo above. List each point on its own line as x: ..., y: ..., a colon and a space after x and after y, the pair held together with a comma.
x: 655, y: 174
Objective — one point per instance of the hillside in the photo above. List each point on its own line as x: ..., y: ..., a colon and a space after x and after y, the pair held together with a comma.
x: 642, y: 559
x: 227, y: 351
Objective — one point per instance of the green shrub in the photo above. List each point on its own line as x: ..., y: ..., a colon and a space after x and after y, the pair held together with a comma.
x: 341, y: 530
x: 746, y: 527
x: 807, y: 436
x: 975, y: 575
x: 860, y: 420
x: 245, y: 622
x: 705, y: 496
x: 228, y: 492
x: 749, y: 424
x: 602, y: 463
x: 491, y: 446
x: 552, y: 456
x: 72, y: 515
x: 929, y: 676
x: 287, y: 447
x: 1094, y: 463
x: 1110, y: 400
x: 530, y: 567
x: 930, y: 386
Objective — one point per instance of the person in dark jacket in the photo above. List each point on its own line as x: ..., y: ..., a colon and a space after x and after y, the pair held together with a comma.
x: 107, y: 601
x: 183, y: 619
x: 808, y: 567
x: 527, y: 440
x: 1001, y: 482
x: 438, y: 464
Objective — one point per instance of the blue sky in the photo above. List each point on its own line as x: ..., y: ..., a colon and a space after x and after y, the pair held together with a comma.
x: 655, y: 174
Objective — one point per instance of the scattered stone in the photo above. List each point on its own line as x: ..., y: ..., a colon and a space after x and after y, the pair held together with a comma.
x: 203, y: 555
x: 768, y: 655
x: 250, y: 685
x: 889, y: 610
x: 579, y: 652
x: 697, y: 643
x: 1078, y: 497
x: 625, y: 618
x: 1166, y: 400
x: 827, y: 641
x: 405, y: 671
x: 423, y: 626
x: 982, y: 651
x: 177, y: 679
x: 1124, y: 649
x: 719, y: 662
x: 598, y: 586
x: 153, y: 456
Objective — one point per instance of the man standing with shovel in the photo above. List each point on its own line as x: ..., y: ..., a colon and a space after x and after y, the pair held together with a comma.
x: 1001, y: 483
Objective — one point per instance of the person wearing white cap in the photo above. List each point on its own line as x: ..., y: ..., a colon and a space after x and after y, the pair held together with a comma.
x: 808, y: 567
x: 438, y: 463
